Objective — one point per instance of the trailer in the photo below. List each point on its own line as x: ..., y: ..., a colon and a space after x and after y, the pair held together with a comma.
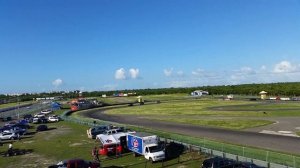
x: 112, y: 144
x: 146, y: 145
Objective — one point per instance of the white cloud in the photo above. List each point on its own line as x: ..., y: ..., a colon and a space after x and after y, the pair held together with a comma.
x: 134, y: 73
x: 285, y: 66
x: 120, y: 74
x: 168, y: 72
x: 263, y: 68
x: 246, y: 71
x: 180, y: 73
x: 57, y: 82
x: 198, y: 72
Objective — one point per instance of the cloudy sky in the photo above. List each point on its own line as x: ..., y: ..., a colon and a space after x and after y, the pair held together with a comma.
x: 53, y: 45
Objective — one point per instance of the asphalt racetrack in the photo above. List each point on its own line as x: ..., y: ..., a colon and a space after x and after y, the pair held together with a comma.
x: 267, y: 141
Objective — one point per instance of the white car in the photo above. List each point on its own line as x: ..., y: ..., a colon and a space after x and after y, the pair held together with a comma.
x: 39, y: 115
x: 53, y: 119
x: 8, y: 135
x: 46, y: 111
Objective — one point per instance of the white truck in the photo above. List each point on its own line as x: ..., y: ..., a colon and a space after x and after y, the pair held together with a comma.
x: 145, y: 144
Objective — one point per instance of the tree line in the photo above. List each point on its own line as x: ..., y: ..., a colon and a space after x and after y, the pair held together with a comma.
x: 290, y: 89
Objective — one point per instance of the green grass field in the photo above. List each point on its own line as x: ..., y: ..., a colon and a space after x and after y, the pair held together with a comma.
x: 222, y: 123
x: 214, y: 108
x: 67, y: 140
x: 251, y: 152
x: 215, y: 113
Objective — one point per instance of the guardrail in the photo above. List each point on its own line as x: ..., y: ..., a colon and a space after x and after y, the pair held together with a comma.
x: 259, y: 157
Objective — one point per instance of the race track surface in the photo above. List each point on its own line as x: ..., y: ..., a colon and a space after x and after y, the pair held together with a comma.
x: 271, y: 142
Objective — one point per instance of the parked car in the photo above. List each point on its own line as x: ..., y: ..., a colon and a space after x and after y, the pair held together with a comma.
x: 28, y: 117
x: 39, y: 115
x: 44, y: 119
x: 8, y: 135
x: 42, y: 128
x: 217, y: 162
x: 77, y: 163
x: 46, y: 111
x: 36, y: 120
x: 53, y: 119
x: 15, y: 129
x: 245, y: 165
x: 94, y: 131
x: 9, y: 124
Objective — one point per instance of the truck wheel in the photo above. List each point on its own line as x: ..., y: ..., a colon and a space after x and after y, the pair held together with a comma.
x: 151, y: 160
x: 135, y: 154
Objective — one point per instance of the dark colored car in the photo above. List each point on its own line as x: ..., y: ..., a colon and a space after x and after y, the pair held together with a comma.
x: 245, y: 165
x: 76, y: 163
x: 28, y: 117
x: 98, y: 130
x: 42, y: 128
x: 44, y: 120
x: 218, y: 162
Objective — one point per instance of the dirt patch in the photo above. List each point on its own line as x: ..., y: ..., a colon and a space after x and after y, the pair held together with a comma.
x: 55, y: 132
x: 33, y: 161
x: 75, y: 144
x: 28, y: 142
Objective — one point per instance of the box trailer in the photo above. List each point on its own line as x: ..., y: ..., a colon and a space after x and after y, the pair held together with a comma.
x: 146, y: 145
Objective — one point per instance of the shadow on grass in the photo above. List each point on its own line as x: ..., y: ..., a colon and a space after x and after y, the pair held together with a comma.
x: 15, y: 152
x: 48, y: 129
x: 51, y: 128
x: 25, y: 137
x: 173, y: 150
x: 30, y: 133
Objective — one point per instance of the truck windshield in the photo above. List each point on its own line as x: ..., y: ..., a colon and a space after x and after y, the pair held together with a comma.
x: 155, y: 149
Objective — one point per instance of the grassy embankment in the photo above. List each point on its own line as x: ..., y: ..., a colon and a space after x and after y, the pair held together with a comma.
x: 216, y: 113
x: 251, y: 152
x: 67, y: 140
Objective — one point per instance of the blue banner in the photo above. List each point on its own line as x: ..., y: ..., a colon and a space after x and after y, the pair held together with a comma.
x: 135, y: 144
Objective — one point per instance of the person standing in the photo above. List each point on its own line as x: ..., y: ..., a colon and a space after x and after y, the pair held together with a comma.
x: 94, y: 152
x: 9, y: 151
x: 97, y: 154
x: 10, y: 146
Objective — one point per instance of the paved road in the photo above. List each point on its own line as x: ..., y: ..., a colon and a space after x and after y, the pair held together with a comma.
x: 27, y: 109
x: 272, y: 142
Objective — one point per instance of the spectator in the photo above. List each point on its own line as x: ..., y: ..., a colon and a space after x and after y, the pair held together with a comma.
x: 95, y: 153
x: 10, y: 146
x: 9, y: 151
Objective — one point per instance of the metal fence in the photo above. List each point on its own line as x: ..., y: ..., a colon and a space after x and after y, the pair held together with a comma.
x: 259, y: 157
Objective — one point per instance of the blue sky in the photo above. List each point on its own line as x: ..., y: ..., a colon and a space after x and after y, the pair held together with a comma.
x: 53, y: 45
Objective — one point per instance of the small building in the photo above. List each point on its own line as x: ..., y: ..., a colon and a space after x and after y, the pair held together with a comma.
x: 199, y: 93
x: 263, y: 95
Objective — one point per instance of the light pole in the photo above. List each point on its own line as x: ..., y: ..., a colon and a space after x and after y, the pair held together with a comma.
x: 18, y: 102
